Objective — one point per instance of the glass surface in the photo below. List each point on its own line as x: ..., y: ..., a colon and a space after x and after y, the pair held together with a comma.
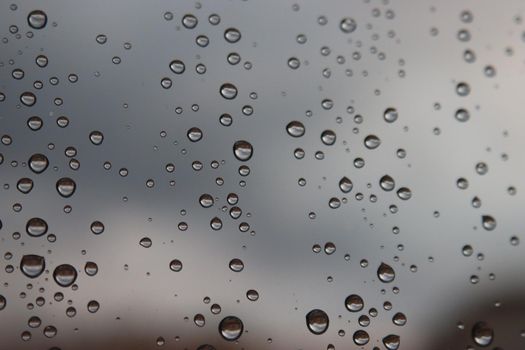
x: 262, y: 174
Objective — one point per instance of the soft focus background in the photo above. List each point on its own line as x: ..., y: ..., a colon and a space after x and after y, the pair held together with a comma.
x: 456, y: 245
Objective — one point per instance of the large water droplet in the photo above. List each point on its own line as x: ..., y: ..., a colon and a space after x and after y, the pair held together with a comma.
x: 32, y: 265
x: 24, y: 185
x: 361, y: 337
x: 232, y: 35
x: 488, y: 222
x: 386, y: 273
x: 37, y: 19
x: 242, y: 150
x: 38, y: 163
x: 372, y: 142
x: 231, y: 328
x: 399, y: 319
x: 354, y: 303
x: 295, y: 128
x: 65, y: 275
x: 345, y: 185
x: 390, y: 115
x: 228, y: 91
x: 348, y: 25
x: 176, y: 265
x: 482, y: 334
x: 36, y: 227
x: 236, y: 265
x: 387, y: 183
x: 328, y: 137
x: 66, y: 187
x: 317, y: 321
x: 392, y: 342
x: 177, y: 66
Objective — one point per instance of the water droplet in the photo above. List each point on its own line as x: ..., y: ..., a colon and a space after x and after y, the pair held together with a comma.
x: 462, y: 115
x: 228, y: 91
x: 348, y: 25
x: 24, y: 185
x: 199, y: 320
x: 392, y: 342
x: 387, y: 183
x: 252, y: 295
x: 65, y: 275
x: 50, y: 331
x: 189, y: 21
x: 231, y: 328
x: 32, y: 265
x: 295, y: 129
x: 91, y: 268
x: 38, y: 163
x: 317, y: 321
x: 37, y: 19
x: 145, y: 242
x: 96, y: 137
x: 236, y: 265
x: 176, y: 265
x: 467, y: 250
x: 404, y: 193
x: 386, y: 273
x: 328, y: 137
x: 372, y: 142
x: 66, y: 187
x: 399, y: 319
x: 194, y: 134
x: 361, y: 337
x: 93, y: 306
x: 232, y: 35
x: 97, y: 227
x: 36, y: 227
x: 242, y: 150
x: 354, y: 303
x: 482, y: 334
x: 488, y: 222
x: 28, y: 98
x: 334, y: 203
x: 345, y: 185
x: 177, y: 66
x: 390, y: 115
